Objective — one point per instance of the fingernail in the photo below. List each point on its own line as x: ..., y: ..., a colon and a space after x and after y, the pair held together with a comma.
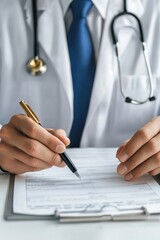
x: 129, y: 176
x: 68, y: 142
x: 123, y: 157
x: 119, y: 149
x: 122, y: 169
x: 62, y: 165
x: 59, y: 148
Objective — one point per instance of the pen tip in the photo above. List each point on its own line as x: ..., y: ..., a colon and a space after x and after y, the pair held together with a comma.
x: 77, y: 174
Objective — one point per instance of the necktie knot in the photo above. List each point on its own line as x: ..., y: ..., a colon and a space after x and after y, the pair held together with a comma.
x: 80, y: 8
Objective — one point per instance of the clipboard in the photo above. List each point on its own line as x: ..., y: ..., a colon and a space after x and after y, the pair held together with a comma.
x: 9, y: 214
x: 87, y: 214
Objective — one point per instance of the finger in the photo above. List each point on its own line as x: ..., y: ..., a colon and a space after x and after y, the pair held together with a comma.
x: 155, y: 171
x: 140, y: 138
x: 32, y: 147
x: 33, y: 130
x: 62, y: 164
x: 61, y: 134
x: 148, y: 166
x: 148, y: 150
x: 14, y: 153
x: 16, y: 167
x: 121, y: 147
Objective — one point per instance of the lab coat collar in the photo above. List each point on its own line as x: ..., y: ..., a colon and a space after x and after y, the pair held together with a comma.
x: 101, y: 6
x: 134, y: 6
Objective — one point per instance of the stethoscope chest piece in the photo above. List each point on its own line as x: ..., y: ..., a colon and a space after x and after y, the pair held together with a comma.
x: 36, y: 66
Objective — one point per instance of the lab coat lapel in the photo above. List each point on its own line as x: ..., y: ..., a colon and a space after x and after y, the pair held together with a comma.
x: 52, y: 38
x: 28, y: 13
x: 41, y: 7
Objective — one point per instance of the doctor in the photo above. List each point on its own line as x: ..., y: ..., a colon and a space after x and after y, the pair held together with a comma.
x: 106, y: 120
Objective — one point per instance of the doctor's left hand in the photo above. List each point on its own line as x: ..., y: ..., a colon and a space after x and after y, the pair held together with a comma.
x: 141, y: 154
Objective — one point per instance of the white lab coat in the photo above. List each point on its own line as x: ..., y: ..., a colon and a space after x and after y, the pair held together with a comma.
x: 110, y: 120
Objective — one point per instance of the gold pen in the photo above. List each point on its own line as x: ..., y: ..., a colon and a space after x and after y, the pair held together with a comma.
x: 29, y: 112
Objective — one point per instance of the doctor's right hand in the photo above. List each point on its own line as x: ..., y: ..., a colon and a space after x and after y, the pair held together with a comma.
x: 25, y: 146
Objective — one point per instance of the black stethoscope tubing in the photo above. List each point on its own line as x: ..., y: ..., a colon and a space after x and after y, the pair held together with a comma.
x: 35, y: 28
x: 125, y: 12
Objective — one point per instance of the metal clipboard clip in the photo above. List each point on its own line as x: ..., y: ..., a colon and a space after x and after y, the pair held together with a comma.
x: 100, y: 213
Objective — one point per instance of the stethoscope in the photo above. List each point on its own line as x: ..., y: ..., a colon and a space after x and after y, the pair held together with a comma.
x: 36, y: 66
x: 148, y: 68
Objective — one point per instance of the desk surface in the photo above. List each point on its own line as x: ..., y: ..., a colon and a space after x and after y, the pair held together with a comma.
x: 40, y: 230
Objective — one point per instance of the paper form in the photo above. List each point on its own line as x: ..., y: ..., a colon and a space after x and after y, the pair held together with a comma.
x: 57, y: 188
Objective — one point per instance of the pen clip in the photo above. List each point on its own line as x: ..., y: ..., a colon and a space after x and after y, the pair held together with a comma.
x: 29, y: 112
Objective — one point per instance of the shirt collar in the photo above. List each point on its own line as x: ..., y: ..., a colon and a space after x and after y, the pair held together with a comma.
x: 101, y: 6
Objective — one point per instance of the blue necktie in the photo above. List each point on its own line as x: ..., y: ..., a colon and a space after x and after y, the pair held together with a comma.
x: 82, y: 66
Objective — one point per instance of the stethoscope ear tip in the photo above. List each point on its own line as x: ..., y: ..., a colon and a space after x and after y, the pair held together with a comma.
x: 152, y: 98
x: 128, y: 100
